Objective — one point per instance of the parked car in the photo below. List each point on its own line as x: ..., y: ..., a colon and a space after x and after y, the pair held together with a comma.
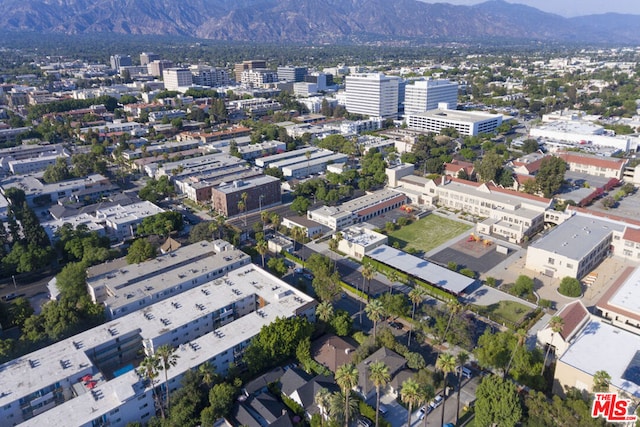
x: 364, y: 422
x: 396, y: 325
x: 424, y: 411
x: 383, y: 410
x: 466, y: 372
x: 437, y: 401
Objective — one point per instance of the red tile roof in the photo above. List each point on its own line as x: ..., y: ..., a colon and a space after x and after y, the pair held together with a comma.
x: 603, y: 303
x: 601, y: 162
x: 386, y: 203
x: 632, y: 234
x: 605, y: 215
x: 515, y: 193
x: 573, y: 315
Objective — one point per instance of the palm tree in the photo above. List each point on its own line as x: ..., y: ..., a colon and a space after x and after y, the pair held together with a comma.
x: 393, y: 278
x: 308, y: 156
x: 521, y: 337
x: 322, y: 399
x: 275, y: 220
x: 297, y: 233
x: 244, y: 196
x: 262, y: 249
x: 167, y: 356
x: 445, y: 363
x: 556, y: 323
x: 264, y: 217
x: 454, y: 307
x: 428, y: 393
x: 380, y: 377
x: 368, y: 271
x: 338, y: 412
x: 375, y: 312
x: 416, y: 295
x: 601, y: 381
x: 411, y: 394
x: 324, y: 311
x: 208, y: 374
x: 347, y: 378
x: 461, y: 359
x: 149, y: 368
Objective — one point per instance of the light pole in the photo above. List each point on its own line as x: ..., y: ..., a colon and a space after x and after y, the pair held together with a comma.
x: 260, y: 202
x: 14, y: 281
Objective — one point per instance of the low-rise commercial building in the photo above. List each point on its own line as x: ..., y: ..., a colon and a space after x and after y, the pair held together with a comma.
x: 594, y: 165
x: 619, y: 304
x: 470, y: 123
x: 357, y: 240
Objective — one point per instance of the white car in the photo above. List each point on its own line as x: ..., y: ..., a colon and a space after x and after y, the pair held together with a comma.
x: 437, y: 401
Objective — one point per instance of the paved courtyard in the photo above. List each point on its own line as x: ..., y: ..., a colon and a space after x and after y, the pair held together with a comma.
x: 470, y: 254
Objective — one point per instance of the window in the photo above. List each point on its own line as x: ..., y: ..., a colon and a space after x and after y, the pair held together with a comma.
x: 551, y: 261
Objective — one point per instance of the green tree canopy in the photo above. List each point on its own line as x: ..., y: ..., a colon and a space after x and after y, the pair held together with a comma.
x: 550, y: 175
x: 139, y: 251
x: 497, y: 403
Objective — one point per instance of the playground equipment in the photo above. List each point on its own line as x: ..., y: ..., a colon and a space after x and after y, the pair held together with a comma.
x: 487, y: 242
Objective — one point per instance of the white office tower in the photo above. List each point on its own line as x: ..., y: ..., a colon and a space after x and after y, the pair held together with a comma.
x: 374, y: 95
x: 426, y: 95
x: 175, y: 78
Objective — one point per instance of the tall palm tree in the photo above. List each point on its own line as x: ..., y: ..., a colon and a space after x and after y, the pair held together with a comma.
x: 461, y: 359
x: 262, y: 249
x: 168, y: 358
x: 264, y: 217
x: 393, y: 277
x: 275, y: 220
x: 368, y: 272
x: 347, y: 378
x: 556, y: 324
x: 297, y: 233
x: 375, y: 312
x: 428, y: 394
x: 411, y: 394
x: 324, y: 311
x: 454, y: 307
x: 445, y: 363
x: 380, y: 377
x: 601, y: 381
x: 242, y: 207
x: 416, y: 295
x: 308, y: 156
x: 322, y: 400
x: 521, y: 337
x: 149, y: 368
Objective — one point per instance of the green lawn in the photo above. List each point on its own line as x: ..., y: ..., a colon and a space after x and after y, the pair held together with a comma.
x: 511, y: 311
x: 427, y: 233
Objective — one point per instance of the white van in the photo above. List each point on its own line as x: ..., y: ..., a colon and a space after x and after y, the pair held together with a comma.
x: 466, y: 372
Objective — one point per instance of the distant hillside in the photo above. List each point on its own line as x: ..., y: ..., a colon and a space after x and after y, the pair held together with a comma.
x: 314, y: 21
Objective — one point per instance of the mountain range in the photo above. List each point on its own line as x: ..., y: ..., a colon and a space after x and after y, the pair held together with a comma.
x: 316, y: 21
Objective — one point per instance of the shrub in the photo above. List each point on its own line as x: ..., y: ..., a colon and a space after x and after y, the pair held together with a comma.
x: 491, y: 281
x: 523, y: 286
x: 570, y: 287
x: 468, y: 272
x: 544, y: 303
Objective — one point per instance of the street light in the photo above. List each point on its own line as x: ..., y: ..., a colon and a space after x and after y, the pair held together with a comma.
x: 260, y: 201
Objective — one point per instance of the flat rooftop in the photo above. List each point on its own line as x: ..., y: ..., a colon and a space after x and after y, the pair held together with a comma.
x: 282, y: 156
x: 627, y: 295
x: 422, y: 269
x: 458, y: 115
x: 360, y: 235
x: 290, y: 161
x: 245, y: 184
x: 577, y: 236
x: 369, y: 200
x: 602, y: 347
x: 337, y: 158
x: 30, y: 373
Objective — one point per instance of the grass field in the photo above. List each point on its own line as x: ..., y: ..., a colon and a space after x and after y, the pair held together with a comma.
x: 511, y: 311
x: 427, y: 233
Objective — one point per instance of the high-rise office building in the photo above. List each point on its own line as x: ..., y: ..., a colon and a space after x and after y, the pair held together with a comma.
x: 372, y: 94
x: 248, y: 65
x: 292, y: 74
x: 118, y: 61
x: 156, y: 67
x: 174, y: 78
x: 148, y: 57
x: 425, y: 95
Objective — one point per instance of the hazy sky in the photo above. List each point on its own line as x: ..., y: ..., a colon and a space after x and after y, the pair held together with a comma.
x: 567, y: 7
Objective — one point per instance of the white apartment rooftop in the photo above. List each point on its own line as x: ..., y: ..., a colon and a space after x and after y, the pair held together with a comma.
x: 70, y: 358
x: 130, y: 213
x: 627, y: 297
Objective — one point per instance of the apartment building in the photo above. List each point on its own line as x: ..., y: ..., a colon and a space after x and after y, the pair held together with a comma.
x: 258, y: 77
x: 35, y: 164
x: 156, y: 67
x: 292, y: 74
x: 261, y: 149
x: 199, y: 188
x: 121, y: 222
x: 209, y: 76
x: 248, y: 65
x: 89, y: 379
x: 373, y: 94
x: 148, y: 57
x: 261, y: 191
x: 39, y: 193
